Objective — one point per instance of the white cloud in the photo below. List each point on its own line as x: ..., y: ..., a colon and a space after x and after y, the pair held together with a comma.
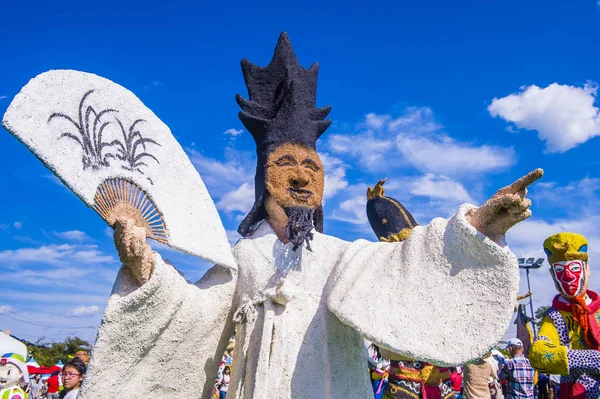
x: 18, y: 225
x: 230, y: 181
x: 352, y: 210
x: 352, y: 207
x: 368, y: 148
x: 416, y: 139
x: 239, y: 200
x: 564, y: 116
x: 583, y: 196
x: 84, y: 311
x: 440, y: 187
x: 3, y: 97
x: 222, y: 177
x: 72, y: 235
x: 233, y: 132
x: 335, y: 175
x: 374, y: 121
x: 63, y: 254
x: 442, y: 154
x: 4, y: 309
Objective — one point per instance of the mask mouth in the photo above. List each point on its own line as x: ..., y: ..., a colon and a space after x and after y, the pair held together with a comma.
x: 571, y: 289
x: 300, y: 193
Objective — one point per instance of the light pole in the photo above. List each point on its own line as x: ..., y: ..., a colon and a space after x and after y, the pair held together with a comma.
x: 530, y: 263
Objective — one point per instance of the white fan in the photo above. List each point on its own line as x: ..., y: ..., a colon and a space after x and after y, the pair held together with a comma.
x: 119, y: 158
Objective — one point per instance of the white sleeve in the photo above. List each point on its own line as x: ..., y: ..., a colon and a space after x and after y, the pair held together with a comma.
x: 445, y: 295
x: 166, y: 327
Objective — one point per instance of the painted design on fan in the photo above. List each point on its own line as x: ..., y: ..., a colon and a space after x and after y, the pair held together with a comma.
x: 127, y: 150
x: 97, y: 152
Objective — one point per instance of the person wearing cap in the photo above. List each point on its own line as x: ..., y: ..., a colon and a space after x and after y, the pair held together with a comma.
x: 517, y: 372
x: 569, y: 339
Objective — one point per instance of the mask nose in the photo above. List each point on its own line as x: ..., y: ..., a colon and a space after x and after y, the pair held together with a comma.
x: 569, y: 276
x: 298, y: 181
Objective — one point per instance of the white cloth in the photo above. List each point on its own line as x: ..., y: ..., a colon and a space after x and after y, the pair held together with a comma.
x: 72, y: 394
x: 301, y: 315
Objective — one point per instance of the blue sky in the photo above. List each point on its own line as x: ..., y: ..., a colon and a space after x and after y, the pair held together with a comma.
x: 448, y: 100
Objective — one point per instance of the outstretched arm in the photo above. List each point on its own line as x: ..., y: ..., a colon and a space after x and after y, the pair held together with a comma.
x: 505, y: 209
x: 433, y: 293
x: 156, y: 320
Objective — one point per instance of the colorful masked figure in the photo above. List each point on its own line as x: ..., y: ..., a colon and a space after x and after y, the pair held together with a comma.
x: 13, y: 376
x: 568, y: 341
x: 408, y: 378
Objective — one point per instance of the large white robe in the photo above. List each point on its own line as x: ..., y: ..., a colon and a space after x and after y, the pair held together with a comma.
x: 445, y: 295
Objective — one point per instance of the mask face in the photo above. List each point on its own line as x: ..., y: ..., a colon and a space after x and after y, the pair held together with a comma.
x: 569, y: 277
x: 295, y: 176
x: 9, y: 375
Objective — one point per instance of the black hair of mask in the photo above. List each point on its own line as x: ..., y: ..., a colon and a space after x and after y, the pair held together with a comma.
x: 387, y: 216
x: 281, y: 108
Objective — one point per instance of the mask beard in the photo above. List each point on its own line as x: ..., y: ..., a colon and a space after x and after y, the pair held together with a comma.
x: 299, y: 226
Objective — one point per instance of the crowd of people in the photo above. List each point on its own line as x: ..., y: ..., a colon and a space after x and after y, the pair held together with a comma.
x: 60, y: 385
x: 495, y: 376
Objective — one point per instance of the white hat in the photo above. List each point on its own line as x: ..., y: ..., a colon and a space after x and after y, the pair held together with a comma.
x: 515, y: 342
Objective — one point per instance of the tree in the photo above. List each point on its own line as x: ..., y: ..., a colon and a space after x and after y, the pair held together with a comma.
x: 539, y: 316
x: 48, y: 354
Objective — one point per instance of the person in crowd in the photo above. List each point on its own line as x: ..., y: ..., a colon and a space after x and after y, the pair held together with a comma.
x: 379, y: 368
x: 36, y: 387
x: 52, y: 385
x: 542, y: 386
x: 83, y: 355
x: 554, y: 388
x: 456, y: 379
x: 517, y: 372
x: 476, y: 380
x: 569, y: 337
x: 72, y: 376
x: 224, y: 382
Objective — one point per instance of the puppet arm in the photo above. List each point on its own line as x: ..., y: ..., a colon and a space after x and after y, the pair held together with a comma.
x: 165, y: 324
x: 548, y: 356
x: 444, y: 295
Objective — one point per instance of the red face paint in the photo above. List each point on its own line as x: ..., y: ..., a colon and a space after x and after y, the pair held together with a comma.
x: 568, y: 275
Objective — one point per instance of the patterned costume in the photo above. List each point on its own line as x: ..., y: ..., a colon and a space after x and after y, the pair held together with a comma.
x: 12, y: 393
x: 13, y: 372
x: 567, y: 343
x: 408, y: 378
x: 418, y: 380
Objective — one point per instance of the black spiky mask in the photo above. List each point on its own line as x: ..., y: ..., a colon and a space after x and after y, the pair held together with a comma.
x: 281, y: 109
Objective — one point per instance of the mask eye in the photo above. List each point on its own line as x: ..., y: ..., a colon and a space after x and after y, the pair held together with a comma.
x: 286, y: 160
x: 575, y: 267
x: 310, y: 164
x: 559, y: 268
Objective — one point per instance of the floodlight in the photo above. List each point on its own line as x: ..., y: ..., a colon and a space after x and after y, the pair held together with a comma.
x: 539, y: 262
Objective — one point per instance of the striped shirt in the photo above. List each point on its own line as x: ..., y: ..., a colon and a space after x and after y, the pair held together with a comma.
x: 519, y: 377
